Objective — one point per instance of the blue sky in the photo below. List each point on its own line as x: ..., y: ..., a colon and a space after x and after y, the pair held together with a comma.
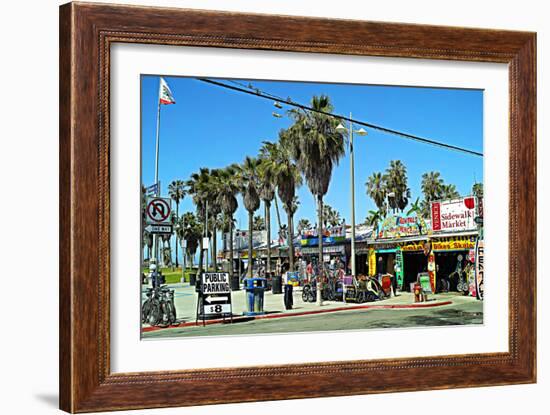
x: 210, y: 126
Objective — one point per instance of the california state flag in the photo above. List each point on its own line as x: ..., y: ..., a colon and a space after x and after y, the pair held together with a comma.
x: 165, y: 95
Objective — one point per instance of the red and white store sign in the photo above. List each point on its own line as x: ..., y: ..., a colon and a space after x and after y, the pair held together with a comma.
x: 454, y: 215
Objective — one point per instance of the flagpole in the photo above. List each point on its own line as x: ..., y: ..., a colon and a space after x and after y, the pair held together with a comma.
x: 157, y: 193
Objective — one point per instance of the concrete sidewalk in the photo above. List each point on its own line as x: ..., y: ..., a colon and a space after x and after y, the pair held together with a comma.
x: 186, y: 303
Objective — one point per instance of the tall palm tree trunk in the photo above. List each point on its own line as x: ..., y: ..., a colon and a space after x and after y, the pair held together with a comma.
x: 290, y: 241
x: 320, y: 235
x: 250, y: 260
x: 277, y: 211
x: 231, y: 249
x: 177, y: 239
x: 267, y: 206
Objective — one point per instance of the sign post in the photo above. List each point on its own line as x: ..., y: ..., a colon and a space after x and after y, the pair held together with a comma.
x: 399, y: 269
x: 157, y: 213
x: 214, y: 298
x: 479, y: 269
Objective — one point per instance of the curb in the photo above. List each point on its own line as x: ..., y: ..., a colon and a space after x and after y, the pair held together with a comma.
x: 238, y: 318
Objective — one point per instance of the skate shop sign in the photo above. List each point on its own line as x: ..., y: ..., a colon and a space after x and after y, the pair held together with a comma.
x: 215, y: 283
x: 454, y: 215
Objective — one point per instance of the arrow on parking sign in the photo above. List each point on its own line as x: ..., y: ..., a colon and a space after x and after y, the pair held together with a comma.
x: 211, y: 299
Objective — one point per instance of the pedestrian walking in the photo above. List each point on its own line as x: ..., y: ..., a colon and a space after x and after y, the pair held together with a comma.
x: 154, y: 275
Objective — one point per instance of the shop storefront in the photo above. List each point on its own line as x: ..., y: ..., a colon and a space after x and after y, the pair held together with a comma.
x: 330, y: 253
x: 415, y: 259
x: 334, y: 245
x: 454, y: 259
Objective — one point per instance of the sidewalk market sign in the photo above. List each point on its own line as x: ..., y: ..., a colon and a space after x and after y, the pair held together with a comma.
x: 214, y: 296
x: 454, y: 215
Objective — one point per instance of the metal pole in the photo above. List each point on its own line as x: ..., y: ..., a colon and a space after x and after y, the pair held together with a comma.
x: 206, y: 236
x: 157, y: 193
x: 352, y: 180
x: 352, y: 175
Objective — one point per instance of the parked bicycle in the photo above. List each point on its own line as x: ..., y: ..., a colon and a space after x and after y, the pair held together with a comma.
x: 159, y: 308
x: 309, y: 291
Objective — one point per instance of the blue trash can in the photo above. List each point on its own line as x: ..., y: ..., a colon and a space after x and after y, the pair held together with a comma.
x: 255, y: 288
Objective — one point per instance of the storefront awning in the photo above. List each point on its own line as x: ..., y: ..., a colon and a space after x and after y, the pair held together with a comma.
x: 331, y: 249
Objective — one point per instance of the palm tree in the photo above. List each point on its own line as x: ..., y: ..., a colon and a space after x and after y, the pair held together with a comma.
x: 277, y: 157
x: 317, y: 148
x: 477, y: 190
x: 191, y: 232
x: 331, y: 217
x: 376, y: 189
x: 214, y: 211
x: 396, y: 182
x: 148, y: 241
x: 258, y: 223
x: 251, y: 200
x: 448, y: 191
x: 303, y: 225
x: 432, y: 185
x: 176, y: 190
x: 198, y: 187
x: 229, y: 187
x: 267, y: 194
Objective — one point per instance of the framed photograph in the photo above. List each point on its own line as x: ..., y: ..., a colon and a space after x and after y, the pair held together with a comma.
x: 258, y: 207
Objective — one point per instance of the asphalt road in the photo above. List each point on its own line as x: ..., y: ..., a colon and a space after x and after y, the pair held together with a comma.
x: 470, y: 312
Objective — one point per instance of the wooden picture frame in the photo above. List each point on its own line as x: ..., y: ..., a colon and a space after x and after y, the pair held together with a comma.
x: 86, y: 33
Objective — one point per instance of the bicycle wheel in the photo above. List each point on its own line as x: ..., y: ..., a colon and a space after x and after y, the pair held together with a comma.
x: 370, y: 297
x: 167, y: 313
x: 145, y: 310
x: 172, y: 314
x: 305, y: 294
x: 155, y: 314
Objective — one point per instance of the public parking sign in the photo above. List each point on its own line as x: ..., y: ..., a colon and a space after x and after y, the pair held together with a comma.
x: 215, y: 293
x: 215, y: 283
x: 158, y: 210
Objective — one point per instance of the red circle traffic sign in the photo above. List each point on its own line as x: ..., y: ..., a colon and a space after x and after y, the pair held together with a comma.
x: 158, y: 210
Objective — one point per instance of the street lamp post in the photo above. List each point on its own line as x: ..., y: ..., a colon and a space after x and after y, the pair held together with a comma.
x: 350, y: 131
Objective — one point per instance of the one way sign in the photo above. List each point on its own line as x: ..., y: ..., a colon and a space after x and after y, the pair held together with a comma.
x: 159, y: 229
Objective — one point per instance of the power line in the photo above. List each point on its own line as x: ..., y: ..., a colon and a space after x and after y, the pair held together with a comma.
x: 251, y: 90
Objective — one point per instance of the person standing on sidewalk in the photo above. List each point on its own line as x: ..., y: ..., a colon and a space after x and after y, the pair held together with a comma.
x: 154, y: 276
x: 309, y: 271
